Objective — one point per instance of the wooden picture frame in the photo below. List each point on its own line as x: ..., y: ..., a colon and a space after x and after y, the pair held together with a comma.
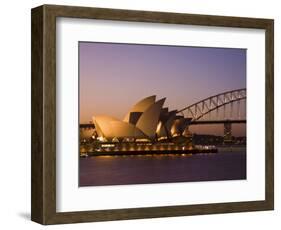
x: 43, y: 207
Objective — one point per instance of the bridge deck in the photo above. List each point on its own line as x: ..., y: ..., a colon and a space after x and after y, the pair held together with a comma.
x: 203, y: 122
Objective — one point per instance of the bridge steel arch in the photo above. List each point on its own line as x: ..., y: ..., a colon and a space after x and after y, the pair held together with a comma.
x: 207, y: 105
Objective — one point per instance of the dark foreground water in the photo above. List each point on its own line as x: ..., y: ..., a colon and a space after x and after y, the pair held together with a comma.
x: 118, y: 170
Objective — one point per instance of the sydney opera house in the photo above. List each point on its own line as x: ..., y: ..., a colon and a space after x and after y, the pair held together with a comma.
x: 147, y: 126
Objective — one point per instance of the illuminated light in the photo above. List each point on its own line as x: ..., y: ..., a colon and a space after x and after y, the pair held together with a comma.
x: 107, y: 145
x: 102, y: 139
x: 162, y: 138
x: 105, y: 156
x: 82, y: 150
x: 142, y: 140
x: 146, y: 148
x: 158, y: 127
x: 128, y: 139
x: 123, y: 148
x: 115, y: 139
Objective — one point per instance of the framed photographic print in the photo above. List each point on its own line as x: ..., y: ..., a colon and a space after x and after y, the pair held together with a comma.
x: 140, y: 114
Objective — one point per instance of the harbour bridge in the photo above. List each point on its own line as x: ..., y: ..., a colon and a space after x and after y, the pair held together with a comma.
x: 226, y: 108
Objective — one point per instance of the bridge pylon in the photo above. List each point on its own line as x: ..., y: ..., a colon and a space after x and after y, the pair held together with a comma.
x: 227, y: 131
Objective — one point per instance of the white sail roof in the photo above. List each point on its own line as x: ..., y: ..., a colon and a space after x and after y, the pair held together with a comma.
x: 111, y: 127
x: 123, y: 129
x: 179, y: 125
x: 102, y: 125
x: 166, y: 124
x: 141, y: 106
x: 148, y: 121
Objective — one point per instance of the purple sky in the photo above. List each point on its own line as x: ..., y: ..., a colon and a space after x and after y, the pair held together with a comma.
x: 113, y: 77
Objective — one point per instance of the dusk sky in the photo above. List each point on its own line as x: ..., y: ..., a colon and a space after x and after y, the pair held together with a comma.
x: 113, y: 77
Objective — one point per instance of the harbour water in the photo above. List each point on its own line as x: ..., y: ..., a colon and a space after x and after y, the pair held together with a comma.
x: 228, y: 164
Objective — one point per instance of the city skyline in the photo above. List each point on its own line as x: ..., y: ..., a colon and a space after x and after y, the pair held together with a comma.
x: 113, y: 76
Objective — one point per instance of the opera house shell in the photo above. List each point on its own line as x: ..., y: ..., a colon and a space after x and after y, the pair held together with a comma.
x: 147, y: 120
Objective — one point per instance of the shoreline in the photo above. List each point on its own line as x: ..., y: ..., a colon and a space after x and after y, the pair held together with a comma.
x: 152, y: 152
